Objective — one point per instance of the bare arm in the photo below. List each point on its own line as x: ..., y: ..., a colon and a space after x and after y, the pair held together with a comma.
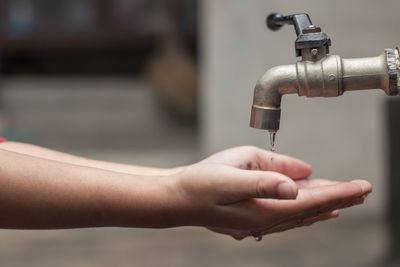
x: 41, y: 193
x: 46, y: 153
x: 239, y: 192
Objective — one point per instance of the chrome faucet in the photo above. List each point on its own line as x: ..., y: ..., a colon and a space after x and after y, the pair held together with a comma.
x: 318, y: 74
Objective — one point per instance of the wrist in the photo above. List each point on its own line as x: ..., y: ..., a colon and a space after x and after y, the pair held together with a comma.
x: 149, y: 202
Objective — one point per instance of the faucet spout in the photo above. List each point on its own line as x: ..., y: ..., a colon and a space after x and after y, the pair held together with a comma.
x: 266, y: 109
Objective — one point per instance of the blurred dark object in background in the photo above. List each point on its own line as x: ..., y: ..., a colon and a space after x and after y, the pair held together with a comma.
x: 394, y: 181
x: 174, y: 78
x: 88, y: 36
x: 170, y: 69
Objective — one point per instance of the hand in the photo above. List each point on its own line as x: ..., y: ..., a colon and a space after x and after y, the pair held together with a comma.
x: 248, y: 191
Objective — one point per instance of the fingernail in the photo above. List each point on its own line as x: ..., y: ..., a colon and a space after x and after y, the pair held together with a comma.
x: 286, y: 191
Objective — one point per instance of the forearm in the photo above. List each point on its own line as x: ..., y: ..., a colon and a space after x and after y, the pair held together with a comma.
x: 45, y: 153
x: 37, y: 193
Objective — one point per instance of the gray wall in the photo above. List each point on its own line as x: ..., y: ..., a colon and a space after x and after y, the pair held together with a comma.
x: 343, y: 138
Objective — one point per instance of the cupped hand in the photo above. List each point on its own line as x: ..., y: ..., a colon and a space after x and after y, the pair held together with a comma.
x: 247, y: 191
x: 253, y: 158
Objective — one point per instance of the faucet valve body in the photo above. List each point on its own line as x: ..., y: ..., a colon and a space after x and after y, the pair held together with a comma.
x: 320, y: 75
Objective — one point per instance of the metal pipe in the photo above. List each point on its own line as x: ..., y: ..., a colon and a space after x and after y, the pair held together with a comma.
x: 365, y: 73
x: 319, y: 75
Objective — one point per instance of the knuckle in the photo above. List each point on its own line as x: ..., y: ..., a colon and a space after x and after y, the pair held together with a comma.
x: 252, y: 149
x: 262, y: 188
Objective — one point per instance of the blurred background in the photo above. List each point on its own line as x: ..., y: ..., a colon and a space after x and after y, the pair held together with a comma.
x: 167, y: 82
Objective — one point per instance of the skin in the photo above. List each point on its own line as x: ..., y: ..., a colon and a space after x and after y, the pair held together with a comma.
x: 240, y: 192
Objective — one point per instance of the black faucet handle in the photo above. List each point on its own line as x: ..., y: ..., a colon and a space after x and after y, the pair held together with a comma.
x: 308, y: 35
x: 300, y: 21
x: 275, y: 21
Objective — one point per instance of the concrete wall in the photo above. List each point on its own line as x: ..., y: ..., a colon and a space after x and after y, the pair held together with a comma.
x: 343, y: 138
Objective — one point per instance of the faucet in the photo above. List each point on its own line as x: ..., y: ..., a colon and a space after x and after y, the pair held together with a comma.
x: 318, y: 74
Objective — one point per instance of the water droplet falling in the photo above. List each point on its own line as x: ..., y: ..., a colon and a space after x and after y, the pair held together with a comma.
x: 272, y: 135
x: 258, y: 238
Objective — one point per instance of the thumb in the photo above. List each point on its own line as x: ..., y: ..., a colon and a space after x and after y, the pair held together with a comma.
x: 246, y: 184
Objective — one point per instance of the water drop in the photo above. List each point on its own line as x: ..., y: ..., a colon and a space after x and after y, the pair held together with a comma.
x: 272, y: 135
x: 258, y: 238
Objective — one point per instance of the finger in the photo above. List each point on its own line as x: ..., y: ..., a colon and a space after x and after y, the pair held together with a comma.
x: 301, y: 223
x: 365, y: 185
x: 305, y: 216
x: 294, y: 168
x: 323, y: 217
x: 239, y: 235
x: 310, y: 203
x: 236, y: 185
x: 309, y: 183
x: 317, y: 199
x: 353, y: 202
x: 235, y: 234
